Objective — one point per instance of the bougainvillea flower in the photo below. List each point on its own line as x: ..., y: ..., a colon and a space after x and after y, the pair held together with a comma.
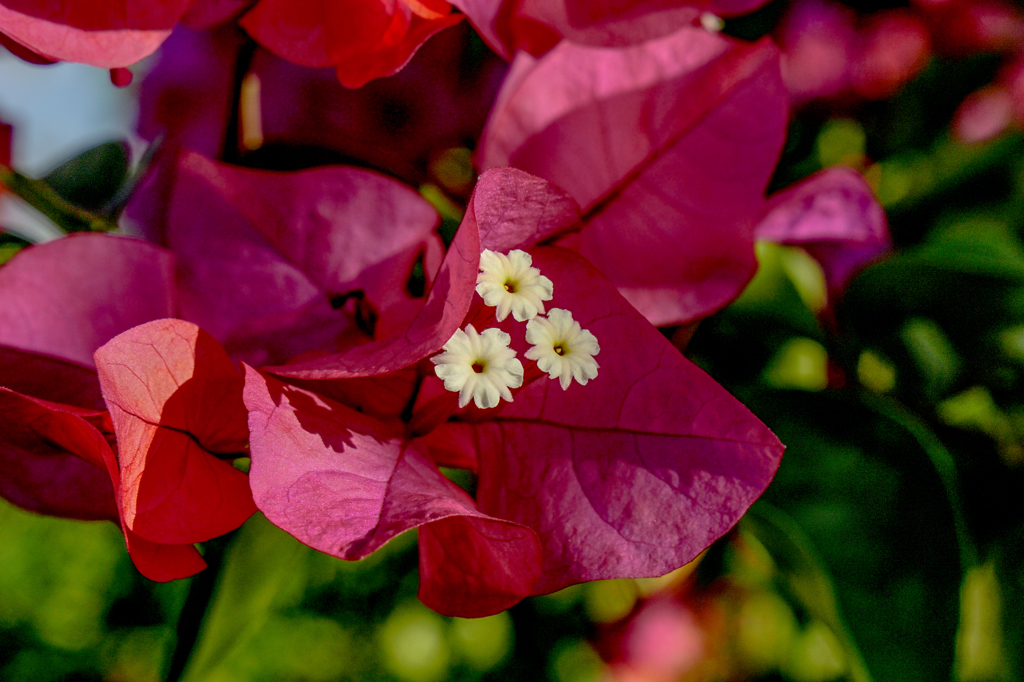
x: 895, y: 47
x: 835, y: 217
x: 667, y: 146
x: 630, y: 475
x: 537, y: 25
x: 819, y: 41
x: 174, y: 396
x: 104, y: 33
x: 362, y: 39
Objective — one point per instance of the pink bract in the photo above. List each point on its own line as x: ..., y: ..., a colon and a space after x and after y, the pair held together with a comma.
x: 104, y: 33
x: 690, y: 127
x: 175, y: 398
x: 537, y: 25
x: 58, y: 303
x: 834, y: 216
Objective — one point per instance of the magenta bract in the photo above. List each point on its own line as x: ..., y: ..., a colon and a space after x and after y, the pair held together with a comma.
x: 835, y: 217
x: 667, y: 217
x: 58, y: 301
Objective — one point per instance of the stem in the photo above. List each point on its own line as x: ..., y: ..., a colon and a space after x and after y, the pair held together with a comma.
x: 44, y: 199
x: 941, y: 460
x: 231, y: 152
x: 200, y: 593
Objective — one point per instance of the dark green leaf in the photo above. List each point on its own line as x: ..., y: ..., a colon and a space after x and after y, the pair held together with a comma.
x: 91, y: 179
x: 867, y: 494
x: 803, y: 577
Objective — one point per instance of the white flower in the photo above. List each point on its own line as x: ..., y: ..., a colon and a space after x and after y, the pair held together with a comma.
x: 479, y: 366
x: 509, y: 282
x: 561, y: 348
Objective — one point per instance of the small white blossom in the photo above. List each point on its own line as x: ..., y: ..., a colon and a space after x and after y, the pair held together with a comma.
x: 479, y: 366
x: 561, y: 348
x: 510, y: 283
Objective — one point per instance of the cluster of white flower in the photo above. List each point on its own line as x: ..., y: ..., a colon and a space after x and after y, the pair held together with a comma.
x: 483, y: 368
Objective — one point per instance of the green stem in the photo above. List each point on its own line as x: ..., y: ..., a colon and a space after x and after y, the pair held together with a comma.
x: 45, y: 199
x: 943, y: 463
x: 200, y: 594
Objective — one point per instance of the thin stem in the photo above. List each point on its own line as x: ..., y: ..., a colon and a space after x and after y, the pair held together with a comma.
x: 200, y: 594
x: 45, y: 199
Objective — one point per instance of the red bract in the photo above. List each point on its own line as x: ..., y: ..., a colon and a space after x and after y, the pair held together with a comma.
x: 631, y: 475
x: 59, y: 462
x: 667, y: 146
x: 105, y: 33
x: 362, y: 39
x: 537, y: 25
x: 6, y: 132
x: 174, y: 399
x: 52, y: 458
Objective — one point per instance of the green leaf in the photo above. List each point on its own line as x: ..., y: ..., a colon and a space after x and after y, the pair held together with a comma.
x: 264, y: 569
x: 802, y: 576
x: 9, y: 246
x: 941, y: 311
x: 1010, y: 574
x: 865, y: 489
x: 40, y: 196
x: 91, y: 179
